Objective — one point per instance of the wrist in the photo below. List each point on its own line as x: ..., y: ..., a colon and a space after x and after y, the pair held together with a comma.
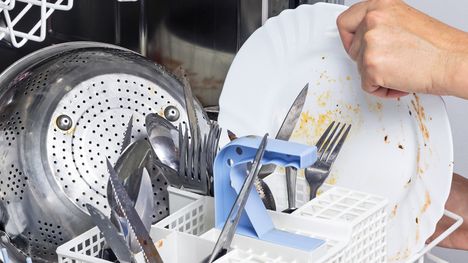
x: 455, y: 71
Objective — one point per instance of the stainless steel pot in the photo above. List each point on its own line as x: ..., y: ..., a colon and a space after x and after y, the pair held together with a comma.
x: 63, y: 110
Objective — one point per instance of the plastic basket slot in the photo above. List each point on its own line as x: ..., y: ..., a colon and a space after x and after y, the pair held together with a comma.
x: 330, y: 213
x: 342, y: 191
x: 348, y: 217
x: 349, y: 201
x: 375, y: 199
x: 340, y: 207
x: 358, y: 195
x: 366, y: 205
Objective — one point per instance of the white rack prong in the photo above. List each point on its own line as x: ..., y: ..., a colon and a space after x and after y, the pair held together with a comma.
x: 39, y: 30
x: 7, y: 4
x: 426, y: 250
x: 57, y: 5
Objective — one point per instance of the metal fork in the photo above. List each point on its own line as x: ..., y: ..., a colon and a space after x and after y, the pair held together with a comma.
x: 196, y: 158
x: 328, y: 147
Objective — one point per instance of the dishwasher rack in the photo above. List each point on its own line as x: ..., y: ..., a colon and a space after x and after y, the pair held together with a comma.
x: 352, y: 223
x: 24, y: 20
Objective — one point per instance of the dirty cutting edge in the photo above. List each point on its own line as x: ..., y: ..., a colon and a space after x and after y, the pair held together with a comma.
x: 150, y: 252
x: 115, y: 240
x: 229, y: 229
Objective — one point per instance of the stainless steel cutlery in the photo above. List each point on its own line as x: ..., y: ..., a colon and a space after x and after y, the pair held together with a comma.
x: 328, y: 147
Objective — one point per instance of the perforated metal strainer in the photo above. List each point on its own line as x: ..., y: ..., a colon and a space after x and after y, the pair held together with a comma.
x: 64, y: 110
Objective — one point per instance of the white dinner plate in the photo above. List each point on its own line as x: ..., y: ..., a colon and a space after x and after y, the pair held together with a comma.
x: 400, y: 149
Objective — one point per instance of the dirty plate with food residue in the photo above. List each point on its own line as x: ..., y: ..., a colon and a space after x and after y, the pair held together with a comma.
x: 397, y: 148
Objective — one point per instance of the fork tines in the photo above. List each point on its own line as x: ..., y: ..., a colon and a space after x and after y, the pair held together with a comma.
x: 331, y: 141
x: 197, y: 155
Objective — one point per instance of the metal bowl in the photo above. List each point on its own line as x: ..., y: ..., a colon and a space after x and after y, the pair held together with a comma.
x: 64, y: 109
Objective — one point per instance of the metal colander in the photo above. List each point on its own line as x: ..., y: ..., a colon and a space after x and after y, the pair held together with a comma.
x: 61, y: 116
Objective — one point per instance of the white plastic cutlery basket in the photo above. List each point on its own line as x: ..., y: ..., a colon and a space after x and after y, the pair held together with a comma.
x: 352, y: 223
x: 87, y: 246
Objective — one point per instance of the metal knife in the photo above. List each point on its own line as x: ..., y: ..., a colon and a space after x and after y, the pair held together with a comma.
x: 143, y: 205
x: 136, y: 226
x: 229, y: 229
x: 189, y: 105
x: 287, y: 127
x: 115, y: 240
x: 262, y: 188
x: 127, y: 135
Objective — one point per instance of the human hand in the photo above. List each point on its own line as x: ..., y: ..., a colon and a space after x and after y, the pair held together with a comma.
x: 399, y: 50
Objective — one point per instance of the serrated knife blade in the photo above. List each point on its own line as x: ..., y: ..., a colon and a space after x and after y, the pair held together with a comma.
x: 150, y: 252
x: 115, y: 240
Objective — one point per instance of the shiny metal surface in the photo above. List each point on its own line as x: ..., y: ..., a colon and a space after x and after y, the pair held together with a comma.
x: 328, y: 148
x: 200, y: 35
x: 287, y: 127
x: 163, y: 137
x: 138, y: 157
x: 171, y: 113
x: 144, y: 203
x: 143, y: 191
x: 223, y: 244
x: 48, y: 175
x: 291, y: 178
x: 262, y: 188
x: 136, y: 226
x: 113, y: 238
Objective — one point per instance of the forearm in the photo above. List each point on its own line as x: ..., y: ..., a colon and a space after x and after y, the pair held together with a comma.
x: 456, y: 79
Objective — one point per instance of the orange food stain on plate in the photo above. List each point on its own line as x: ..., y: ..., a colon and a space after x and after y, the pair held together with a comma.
x: 427, y: 202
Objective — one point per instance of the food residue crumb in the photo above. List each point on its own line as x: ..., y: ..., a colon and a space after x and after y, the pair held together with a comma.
x: 394, y: 210
x: 427, y: 202
x: 323, y: 99
x: 417, y: 220
x: 323, y: 58
x: 379, y: 106
x: 421, y: 117
x: 400, y: 146
x: 348, y: 77
x: 410, y: 113
x: 386, y: 139
x: 159, y: 244
x: 407, y: 183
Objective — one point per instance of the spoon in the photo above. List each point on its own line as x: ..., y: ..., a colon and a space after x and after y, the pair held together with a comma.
x: 164, y: 138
